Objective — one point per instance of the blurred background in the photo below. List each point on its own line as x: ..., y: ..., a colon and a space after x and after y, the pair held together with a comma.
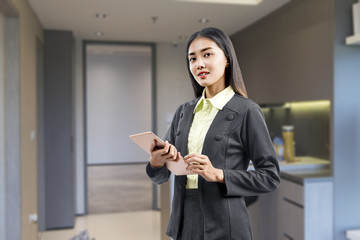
x: 78, y: 77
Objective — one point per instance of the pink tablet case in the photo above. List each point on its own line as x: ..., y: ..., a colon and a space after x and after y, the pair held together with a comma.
x: 145, y: 139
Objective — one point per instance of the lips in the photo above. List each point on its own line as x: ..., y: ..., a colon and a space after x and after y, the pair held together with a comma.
x: 203, y: 73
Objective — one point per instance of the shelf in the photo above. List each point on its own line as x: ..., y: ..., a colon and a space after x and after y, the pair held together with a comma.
x: 353, y: 40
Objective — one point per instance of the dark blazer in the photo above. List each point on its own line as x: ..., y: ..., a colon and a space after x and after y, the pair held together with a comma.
x: 237, y: 134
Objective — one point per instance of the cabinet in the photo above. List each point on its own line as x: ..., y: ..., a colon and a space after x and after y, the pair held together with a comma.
x: 300, y: 209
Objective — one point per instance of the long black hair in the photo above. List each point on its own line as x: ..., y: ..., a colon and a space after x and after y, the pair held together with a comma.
x: 233, y: 74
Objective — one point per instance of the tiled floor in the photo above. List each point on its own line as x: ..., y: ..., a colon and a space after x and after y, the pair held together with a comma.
x: 142, y: 225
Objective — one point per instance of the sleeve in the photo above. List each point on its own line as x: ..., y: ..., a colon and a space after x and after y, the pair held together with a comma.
x: 265, y: 178
x: 162, y: 174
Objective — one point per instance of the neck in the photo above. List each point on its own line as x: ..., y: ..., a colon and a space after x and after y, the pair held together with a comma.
x: 212, y: 91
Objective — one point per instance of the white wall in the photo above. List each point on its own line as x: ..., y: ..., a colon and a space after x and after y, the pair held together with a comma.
x: 173, y: 83
x: 118, y: 104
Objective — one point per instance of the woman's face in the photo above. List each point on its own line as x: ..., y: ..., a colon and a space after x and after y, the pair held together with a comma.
x: 207, y: 63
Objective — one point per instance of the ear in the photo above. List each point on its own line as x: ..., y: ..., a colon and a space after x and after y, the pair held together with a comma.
x: 227, y: 62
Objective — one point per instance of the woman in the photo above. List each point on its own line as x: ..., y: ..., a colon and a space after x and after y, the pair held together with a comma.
x: 219, y: 132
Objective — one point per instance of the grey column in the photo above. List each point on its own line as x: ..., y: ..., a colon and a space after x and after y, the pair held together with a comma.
x: 59, y: 160
x: 12, y: 130
x: 2, y: 129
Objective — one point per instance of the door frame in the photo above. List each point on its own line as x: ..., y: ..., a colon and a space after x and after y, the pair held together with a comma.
x: 85, y: 43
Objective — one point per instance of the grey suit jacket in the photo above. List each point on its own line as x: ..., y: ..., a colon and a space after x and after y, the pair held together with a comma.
x: 237, y: 134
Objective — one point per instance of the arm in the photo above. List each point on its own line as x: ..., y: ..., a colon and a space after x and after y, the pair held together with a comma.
x: 265, y: 178
x: 156, y: 169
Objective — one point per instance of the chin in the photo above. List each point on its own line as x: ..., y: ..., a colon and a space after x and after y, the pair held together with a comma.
x: 203, y: 83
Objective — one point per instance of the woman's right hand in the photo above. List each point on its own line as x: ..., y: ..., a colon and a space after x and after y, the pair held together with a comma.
x: 160, y: 156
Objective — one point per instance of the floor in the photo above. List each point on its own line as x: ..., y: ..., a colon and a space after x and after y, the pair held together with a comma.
x: 141, y: 225
x: 118, y: 188
x: 119, y: 205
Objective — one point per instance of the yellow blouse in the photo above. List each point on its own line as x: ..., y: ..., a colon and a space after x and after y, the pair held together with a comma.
x: 204, y: 114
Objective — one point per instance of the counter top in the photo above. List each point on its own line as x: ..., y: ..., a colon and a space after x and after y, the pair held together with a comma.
x: 305, y: 163
x: 306, y: 169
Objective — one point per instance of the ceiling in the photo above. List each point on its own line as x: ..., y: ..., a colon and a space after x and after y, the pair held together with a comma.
x: 133, y: 20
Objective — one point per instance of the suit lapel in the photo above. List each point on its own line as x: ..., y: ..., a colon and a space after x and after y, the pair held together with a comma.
x: 182, y: 134
x: 186, y: 117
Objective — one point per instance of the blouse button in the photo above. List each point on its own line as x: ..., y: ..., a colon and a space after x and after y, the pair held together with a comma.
x: 178, y: 133
x: 231, y: 117
x: 218, y: 137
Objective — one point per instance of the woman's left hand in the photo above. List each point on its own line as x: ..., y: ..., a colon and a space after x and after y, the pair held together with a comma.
x: 200, y: 164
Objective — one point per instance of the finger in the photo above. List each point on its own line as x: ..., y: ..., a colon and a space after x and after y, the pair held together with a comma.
x: 171, y: 153
x: 194, y: 167
x: 175, y: 154
x: 178, y: 156
x: 195, y: 171
x: 202, y: 156
x: 202, y: 160
x: 190, y: 156
x: 152, y: 146
x: 165, y: 150
x: 192, y: 160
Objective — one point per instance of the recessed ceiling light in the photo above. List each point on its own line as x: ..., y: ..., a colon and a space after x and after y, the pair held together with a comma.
x: 154, y: 19
x: 244, y: 2
x: 203, y: 20
x: 99, y: 34
x: 100, y: 15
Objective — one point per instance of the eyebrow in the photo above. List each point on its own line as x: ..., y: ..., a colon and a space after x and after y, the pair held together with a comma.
x: 202, y: 50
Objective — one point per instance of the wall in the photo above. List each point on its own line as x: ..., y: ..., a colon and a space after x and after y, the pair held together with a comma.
x: 311, y: 121
x: 30, y: 32
x: 346, y: 123
x: 287, y: 55
x: 119, y: 102
x: 79, y: 130
x: 11, y: 127
x: 173, y: 88
x: 173, y: 83
x: 2, y: 129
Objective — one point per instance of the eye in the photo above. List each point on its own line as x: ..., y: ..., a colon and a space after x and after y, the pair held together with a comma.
x: 207, y: 54
x: 192, y: 59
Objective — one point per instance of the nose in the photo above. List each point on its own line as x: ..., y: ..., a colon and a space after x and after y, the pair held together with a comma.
x: 200, y: 64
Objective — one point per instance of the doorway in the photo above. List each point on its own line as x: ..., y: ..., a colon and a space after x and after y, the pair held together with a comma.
x: 119, y: 101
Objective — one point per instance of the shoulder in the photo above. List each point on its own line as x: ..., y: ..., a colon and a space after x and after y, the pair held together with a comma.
x: 187, y: 105
x: 241, y: 104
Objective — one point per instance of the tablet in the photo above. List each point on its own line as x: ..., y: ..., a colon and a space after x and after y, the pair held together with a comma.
x: 145, y: 139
